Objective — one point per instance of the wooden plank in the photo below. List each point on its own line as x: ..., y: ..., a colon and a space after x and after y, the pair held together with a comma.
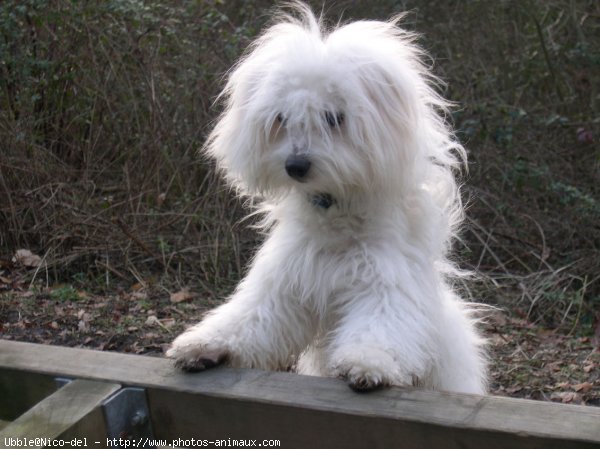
x: 304, y: 411
x: 61, y: 415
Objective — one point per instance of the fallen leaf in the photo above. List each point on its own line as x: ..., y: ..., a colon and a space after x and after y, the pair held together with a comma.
x: 588, y: 368
x: 554, y: 366
x: 566, y: 397
x: 168, y: 322
x: 152, y: 320
x: 27, y: 258
x: 583, y: 387
x: 182, y: 295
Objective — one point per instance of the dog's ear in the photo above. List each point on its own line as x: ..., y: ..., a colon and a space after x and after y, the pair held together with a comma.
x: 392, y: 95
x: 238, y: 139
x: 388, y: 120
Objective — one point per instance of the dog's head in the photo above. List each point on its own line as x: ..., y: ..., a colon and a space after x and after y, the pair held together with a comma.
x: 333, y: 113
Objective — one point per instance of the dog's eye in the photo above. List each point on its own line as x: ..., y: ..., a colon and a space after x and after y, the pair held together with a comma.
x: 280, y: 118
x: 334, y: 120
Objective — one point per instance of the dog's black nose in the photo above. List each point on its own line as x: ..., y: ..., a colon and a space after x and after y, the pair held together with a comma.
x: 297, y: 166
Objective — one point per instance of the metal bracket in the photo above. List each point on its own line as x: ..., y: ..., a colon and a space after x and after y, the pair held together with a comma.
x: 127, y: 416
x: 62, y: 381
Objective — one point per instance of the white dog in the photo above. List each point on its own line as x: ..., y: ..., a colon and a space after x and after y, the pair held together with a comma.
x: 341, y: 139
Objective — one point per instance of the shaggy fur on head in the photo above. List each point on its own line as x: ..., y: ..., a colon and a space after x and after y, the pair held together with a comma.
x: 339, y: 138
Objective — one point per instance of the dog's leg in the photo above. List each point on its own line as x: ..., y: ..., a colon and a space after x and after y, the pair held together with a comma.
x: 382, y: 339
x: 313, y: 361
x: 462, y: 365
x: 261, y: 326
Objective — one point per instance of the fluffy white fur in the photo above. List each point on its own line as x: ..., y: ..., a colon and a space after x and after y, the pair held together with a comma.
x: 352, y: 280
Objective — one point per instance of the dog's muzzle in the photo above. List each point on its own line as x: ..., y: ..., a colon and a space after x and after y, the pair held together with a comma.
x: 297, y: 166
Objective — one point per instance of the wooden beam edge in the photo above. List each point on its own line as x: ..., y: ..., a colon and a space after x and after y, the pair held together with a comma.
x: 460, y: 411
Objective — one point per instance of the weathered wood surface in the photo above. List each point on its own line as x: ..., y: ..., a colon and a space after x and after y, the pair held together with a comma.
x: 61, y: 415
x: 304, y: 411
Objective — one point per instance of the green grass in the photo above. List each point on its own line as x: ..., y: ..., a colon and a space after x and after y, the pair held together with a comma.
x: 65, y: 294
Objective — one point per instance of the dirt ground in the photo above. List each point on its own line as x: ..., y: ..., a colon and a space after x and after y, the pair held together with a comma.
x: 526, y: 360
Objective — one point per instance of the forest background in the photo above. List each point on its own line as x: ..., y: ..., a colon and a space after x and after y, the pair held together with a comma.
x: 115, y: 235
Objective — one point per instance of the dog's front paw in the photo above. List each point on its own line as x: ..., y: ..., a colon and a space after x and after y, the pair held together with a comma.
x: 200, y: 361
x: 193, y: 358
x: 368, y: 370
x: 362, y: 379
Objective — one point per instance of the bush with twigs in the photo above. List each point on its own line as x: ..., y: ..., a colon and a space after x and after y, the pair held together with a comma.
x: 103, y: 105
